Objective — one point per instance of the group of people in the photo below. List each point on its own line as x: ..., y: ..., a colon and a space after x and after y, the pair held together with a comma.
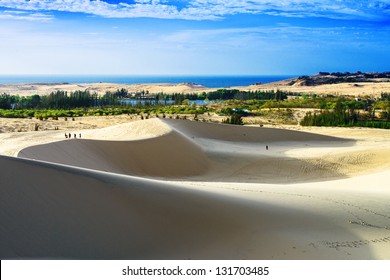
x: 69, y: 136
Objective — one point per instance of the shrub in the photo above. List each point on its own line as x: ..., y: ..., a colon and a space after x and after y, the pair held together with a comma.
x: 234, y: 119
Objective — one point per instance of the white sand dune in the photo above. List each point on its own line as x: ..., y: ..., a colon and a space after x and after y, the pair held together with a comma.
x: 351, y: 89
x: 100, y: 88
x: 308, y: 196
x: 170, y: 155
x: 212, y: 152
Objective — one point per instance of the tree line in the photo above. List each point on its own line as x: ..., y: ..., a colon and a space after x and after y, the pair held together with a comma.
x: 347, y: 114
x: 84, y: 99
x: 231, y: 94
x: 57, y: 100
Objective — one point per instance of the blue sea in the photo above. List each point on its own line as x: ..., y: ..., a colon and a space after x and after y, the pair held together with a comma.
x: 207, y: 81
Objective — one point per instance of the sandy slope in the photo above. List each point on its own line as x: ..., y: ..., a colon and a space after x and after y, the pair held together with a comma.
x: 354, y: 89
x: 214, y: 152
x: 309, y: 196
x: 100, y: 88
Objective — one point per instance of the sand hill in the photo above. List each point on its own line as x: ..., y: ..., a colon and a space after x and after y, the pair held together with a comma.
x: 170, y: 189
x: 372, y: 88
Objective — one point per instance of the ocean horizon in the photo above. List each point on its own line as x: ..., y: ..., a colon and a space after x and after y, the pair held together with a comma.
x: 207, y: 81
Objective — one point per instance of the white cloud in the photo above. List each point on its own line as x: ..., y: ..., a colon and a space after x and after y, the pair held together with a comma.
x: 24, y: 15
x: 211, y: 9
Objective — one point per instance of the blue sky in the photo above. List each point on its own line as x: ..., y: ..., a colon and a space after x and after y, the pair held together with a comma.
x: 196, y: 37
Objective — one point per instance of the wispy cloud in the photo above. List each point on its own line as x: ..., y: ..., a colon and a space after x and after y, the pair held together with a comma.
x: 26, y: 15
x: 212, y: 9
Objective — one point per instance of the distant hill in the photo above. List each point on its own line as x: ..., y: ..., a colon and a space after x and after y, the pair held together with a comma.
x: 323, y: 78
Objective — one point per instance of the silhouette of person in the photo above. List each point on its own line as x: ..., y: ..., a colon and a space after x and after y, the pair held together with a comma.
x: 80, y: 135
x: 66, y: 136
x: 69, y: 135
x: 266, y: 147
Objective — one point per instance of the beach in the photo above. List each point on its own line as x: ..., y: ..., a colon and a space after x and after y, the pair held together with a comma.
x: 180, y: 189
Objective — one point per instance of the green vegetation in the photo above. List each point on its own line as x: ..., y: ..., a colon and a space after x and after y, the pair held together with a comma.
x: 234, y: 119
x: 337, y: 77
x: 347, y: 113
x: 273, y: 106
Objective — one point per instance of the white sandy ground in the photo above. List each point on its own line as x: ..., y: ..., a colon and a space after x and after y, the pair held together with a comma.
x: 353, y: 89
x: 100, y: 88
x: 310, y: 196
x: 12, y: 143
